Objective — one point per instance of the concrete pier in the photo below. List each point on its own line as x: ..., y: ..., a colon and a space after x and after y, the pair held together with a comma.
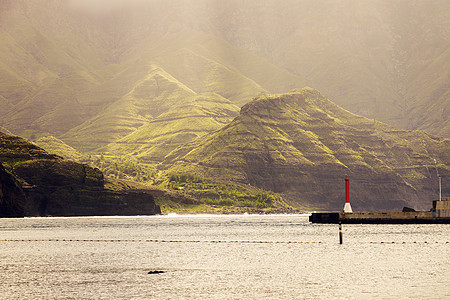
x: 439, y: 214
x: 417, y: 217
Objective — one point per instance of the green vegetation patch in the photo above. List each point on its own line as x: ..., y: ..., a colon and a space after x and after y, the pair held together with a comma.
x: 217, y: 193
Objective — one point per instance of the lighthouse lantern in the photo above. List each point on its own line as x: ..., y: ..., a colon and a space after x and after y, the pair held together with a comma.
x: 347, y: 206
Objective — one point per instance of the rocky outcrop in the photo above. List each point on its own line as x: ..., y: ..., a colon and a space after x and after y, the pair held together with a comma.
x: 58, y: 172
x: 35, y: 183
x: 12, y: 198
x: 89, y: 202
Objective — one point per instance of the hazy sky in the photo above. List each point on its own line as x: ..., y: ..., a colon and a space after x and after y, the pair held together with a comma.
x: 102, y: 6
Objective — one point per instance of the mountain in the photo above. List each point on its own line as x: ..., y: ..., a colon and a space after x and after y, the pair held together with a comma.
x: 36, y: 183
x: 92, y: 73
x: 302, y: 145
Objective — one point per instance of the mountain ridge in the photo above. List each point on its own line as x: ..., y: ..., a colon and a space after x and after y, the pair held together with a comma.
x: 301, y: 144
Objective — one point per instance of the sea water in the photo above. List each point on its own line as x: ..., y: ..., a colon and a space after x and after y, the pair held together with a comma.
x: 220, y: 257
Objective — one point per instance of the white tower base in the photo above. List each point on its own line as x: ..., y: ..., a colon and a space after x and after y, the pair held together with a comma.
x: 347, y: 207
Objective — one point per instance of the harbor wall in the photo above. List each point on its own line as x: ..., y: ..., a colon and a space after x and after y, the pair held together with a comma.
x: 386, y: 215
x: 439, y: 214
x: 417, y: 217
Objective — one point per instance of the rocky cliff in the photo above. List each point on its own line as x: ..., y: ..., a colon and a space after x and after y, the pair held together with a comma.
x: 36, y: 183
x: 12, y: 198
x: 302, y: 145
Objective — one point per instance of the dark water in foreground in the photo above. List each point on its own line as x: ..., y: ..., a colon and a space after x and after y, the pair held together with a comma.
x: 375, y: 261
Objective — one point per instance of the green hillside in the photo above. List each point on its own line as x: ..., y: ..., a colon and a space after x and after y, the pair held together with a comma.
x: 153, y: 94
x: 55, y: 146
x: 302, y: 145
x: 181, y: 124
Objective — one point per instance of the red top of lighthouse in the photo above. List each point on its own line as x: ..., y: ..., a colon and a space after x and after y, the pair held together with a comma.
x: 347, y: 190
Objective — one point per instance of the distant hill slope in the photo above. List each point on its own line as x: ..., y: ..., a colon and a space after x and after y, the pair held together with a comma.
x: 302, y: 145
x: 93, y: 74
x: 382, y: 59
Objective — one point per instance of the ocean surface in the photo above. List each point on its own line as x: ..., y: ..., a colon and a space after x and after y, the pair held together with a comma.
x: 220, y: 257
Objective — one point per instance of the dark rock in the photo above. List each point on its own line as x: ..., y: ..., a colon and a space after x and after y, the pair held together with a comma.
x: 155, y: 272
x: 58, y: 172
x: 12, y: 198
x: 408, y: 209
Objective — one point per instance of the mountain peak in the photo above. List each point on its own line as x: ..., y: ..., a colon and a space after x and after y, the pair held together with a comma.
x: 306, y: 98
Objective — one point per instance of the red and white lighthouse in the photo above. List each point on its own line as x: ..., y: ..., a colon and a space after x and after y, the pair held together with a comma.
x: 347, y: 206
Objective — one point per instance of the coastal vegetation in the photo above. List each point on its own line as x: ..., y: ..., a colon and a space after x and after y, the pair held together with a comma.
x: 183, y: 192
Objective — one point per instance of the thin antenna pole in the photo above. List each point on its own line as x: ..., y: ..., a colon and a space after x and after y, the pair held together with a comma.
x: 440, y: 181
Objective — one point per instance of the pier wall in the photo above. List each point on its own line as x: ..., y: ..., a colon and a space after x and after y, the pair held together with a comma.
x: 385, y: 215
x: 417, y: 217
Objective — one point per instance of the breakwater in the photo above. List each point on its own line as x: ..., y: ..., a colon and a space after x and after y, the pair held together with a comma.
x: 416, y: 217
